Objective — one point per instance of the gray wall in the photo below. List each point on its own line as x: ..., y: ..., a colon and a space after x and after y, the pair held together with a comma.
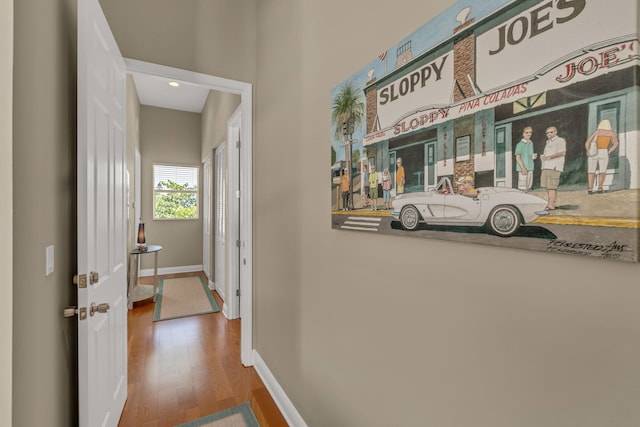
x: 44, y: 176
x: 217, y: 110
x: 281, y: 166
x: 370, y: 330
x: 213, y: 37
x: 133, y: 143
x: 170, y: 137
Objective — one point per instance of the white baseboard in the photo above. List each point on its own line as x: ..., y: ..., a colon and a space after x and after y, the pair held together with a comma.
x: 225, y: 310
x: 212, y: 286
x: 172, y: 270
x: 289, y: 412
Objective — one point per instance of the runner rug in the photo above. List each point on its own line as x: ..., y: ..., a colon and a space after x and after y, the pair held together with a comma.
x: 183, y: 297
x: 238, y: 416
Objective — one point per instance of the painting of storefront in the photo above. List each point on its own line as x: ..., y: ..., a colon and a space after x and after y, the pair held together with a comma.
x: 488, y: 104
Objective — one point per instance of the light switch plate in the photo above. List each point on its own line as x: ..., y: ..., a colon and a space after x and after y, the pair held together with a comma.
x: 49, y: 260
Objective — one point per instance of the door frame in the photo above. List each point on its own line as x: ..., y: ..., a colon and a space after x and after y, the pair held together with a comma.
x: 233, y: 273
x: 245, y: 90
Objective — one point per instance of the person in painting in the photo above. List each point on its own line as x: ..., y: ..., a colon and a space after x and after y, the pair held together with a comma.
x: 599, y: 146
x: 373, y: 188
x: 400, y: 180
x: 524, y: 160
x: 344, y: 183
x: 386, y: 187
x: 552, y: 158
x: 365, y: 179
x: 465, y: 187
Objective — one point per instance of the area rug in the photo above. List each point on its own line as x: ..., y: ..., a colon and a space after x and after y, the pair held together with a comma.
x: 238, y: 416
x: 183, y: 297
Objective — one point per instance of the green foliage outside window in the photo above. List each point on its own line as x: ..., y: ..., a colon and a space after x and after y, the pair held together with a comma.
x: 175, y: 201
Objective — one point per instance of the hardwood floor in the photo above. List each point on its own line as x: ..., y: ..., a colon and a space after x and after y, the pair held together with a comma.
x: 184, y: 369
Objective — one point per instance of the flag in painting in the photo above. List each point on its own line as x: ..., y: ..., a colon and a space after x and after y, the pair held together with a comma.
x: 382, y: 56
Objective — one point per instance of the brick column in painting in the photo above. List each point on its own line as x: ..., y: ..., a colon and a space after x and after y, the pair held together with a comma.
x: 371, y: 120
x: 371, y: 99
x: 464, y: 57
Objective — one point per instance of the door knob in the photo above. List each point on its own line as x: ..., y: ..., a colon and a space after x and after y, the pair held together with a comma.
x: 100, y: 308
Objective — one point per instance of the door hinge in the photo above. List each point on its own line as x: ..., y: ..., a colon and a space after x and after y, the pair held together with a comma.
x: 238, y: 143
x: 237, y: 243
x: 80, y: 280
x: 237, y: 292
x: 72, y: 311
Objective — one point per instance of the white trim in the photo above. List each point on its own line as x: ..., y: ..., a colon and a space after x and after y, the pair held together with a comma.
x: 289, y: 412
x: 245, y: 90
x: 217, y: 83
x: 233, y: 232
x: 172, y: 270
x: 212, y: 285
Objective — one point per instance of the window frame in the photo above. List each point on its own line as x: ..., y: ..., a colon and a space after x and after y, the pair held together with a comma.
x: 169, y: 191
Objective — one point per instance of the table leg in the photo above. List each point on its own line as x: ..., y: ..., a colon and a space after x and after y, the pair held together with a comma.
x: 133, y: 277
x: 155, y: 275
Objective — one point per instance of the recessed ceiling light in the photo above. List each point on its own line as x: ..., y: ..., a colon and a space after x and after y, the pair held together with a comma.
x: 174, y: 84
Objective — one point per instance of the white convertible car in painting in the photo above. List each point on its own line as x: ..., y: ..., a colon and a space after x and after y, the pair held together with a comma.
x: 502, y: 210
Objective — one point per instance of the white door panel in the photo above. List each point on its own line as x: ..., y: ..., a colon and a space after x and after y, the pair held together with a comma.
x: 102, y: 213
x: 221, y: 219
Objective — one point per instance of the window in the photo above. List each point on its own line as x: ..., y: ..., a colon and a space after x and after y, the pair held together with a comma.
x: 175, y: 192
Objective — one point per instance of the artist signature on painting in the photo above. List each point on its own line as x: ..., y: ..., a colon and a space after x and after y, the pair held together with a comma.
x: 608, y: 251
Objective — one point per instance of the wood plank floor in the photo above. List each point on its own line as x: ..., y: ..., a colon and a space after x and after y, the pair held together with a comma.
x: 184, y: 369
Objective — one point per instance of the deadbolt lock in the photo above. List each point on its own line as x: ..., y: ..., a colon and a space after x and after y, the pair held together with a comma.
x: 80, y: 280
x: 94, y: 277
x: 72, y: 311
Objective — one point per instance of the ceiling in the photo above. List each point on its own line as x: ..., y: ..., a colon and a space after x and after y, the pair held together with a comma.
x: 156, y: 92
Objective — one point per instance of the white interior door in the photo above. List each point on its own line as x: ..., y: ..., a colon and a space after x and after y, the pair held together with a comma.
x: 102, y: 254
x: 206, y: 218
x: 221, y: 219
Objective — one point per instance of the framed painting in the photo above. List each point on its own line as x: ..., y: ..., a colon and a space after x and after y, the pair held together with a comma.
x: 500, y: 122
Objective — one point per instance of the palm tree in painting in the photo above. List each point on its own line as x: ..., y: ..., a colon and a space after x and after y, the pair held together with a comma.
x: 347, y: 109
x: 347, y: 112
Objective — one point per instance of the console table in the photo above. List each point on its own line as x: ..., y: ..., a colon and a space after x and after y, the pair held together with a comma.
x: 139, y: 292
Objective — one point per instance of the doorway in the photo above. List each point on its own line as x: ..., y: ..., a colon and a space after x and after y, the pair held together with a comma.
x: 245, y: 188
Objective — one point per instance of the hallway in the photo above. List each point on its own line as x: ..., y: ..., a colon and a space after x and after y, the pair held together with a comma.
x: 184, y: 369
